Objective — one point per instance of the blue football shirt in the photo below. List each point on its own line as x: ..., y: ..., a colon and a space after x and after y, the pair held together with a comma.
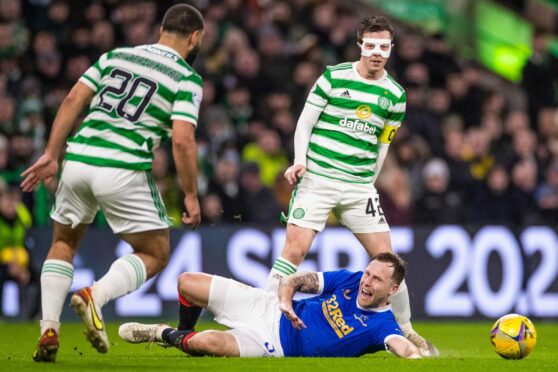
x: 336, y: 325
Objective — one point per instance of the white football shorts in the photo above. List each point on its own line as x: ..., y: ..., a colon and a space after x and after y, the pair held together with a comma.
x: 129, y: 199
x: 356, y: 205
x: 252, y: 313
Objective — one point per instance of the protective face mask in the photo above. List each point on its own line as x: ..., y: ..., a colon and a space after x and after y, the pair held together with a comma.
x: 371, y: 46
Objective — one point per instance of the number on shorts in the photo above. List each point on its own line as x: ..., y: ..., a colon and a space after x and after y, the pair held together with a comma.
x: 373, y: 207
x: 125, y: 77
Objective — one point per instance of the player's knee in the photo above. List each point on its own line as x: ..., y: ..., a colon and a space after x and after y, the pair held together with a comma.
x: 199, y: 344
x: 182, y: 283
x: 186, y: 281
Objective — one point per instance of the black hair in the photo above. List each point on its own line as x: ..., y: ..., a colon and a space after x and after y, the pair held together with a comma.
x: 373, y: 24
x: 182, y: 19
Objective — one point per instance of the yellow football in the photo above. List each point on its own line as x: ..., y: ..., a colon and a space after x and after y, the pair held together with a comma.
x: 513, y: 336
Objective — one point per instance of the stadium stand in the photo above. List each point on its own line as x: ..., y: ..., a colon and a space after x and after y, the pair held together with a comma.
x: 467, y: 152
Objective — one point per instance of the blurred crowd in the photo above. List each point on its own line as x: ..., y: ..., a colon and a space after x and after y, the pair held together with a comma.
x: 466, y: 153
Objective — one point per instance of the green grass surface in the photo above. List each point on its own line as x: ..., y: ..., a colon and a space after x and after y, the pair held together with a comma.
x: 463, y: 346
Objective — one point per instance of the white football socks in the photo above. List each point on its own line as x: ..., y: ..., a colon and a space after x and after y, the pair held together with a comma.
x: 280, y: 269
x: 56, y: 279
x: 401, y: 308
x: 125, y: 275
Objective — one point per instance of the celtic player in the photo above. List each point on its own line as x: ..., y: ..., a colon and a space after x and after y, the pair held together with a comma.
x: 341, y: 141
x: 136, y: 98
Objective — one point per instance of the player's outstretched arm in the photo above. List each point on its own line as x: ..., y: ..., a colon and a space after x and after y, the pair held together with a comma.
x: 46, y: 167
x: 184, y: 150
x: 288, y: 286
x: 403, y: 348
x: 307, y: 120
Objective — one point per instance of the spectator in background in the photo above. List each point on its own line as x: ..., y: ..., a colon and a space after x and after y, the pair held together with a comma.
x: 523, y: 147
x: 411, y: 152
x: 33, y: 125
x: 454, y: 149
x: 539, y: 76
x: 246, y: 70
x: 396, y: 197
x: 548, y: 134
x: 58, y: 15
x: 22, y: 151
x: 304, y: 76
x: 410, y: 49
x: 438, y: 204
x: 493, y: 103
x: 94, y: 12
x: 211, y: 210
x: 15, y: 260
x: 4, y: 154
x: 282, y: 191
x: 258, y: 206
x: 493, y: 202
x: 547, y: 195
x: 49, y: 70
x: 239, y: 106
x: 466, y: 95
x: 516, y: 121
x: 102, y: 37
x: 268, y: 154
x: 224, y: 185
x: 14, y: 34
x: 524, y: 184
x: 7, y: 115
x: 284, y: 123
x: 476, y: 153
x: 217, y: 129
x: 494, y: 128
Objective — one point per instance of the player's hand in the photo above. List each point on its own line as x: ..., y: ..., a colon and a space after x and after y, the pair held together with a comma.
x: 44, y: 169
x: 287, y: 309
x: 192, y: 215
x: 293, y: 172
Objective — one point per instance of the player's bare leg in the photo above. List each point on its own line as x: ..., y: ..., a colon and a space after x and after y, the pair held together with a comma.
x: 126, y: 274
x: 374, y: 244
x: 297, y: 244
x: 210, y: 342
x: 194, y: 290
x: 193, y: 294
x: 194, y: 287
x: 152, y: 247
x: 216, y: 343
x: 56, y: 279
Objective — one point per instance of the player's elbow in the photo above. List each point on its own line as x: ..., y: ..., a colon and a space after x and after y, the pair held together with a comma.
x: 403, y: 348
x: 183, y: 145
x: 411, y: 352
x: 72, y: 99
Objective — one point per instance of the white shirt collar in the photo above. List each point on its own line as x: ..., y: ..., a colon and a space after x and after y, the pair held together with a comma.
x: 166, y: 48
x: 380, y: 309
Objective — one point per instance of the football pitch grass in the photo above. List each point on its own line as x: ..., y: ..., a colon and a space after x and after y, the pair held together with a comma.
x: 463, y: 346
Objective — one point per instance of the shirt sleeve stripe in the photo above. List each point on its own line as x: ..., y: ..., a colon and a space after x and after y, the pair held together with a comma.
x: 185, y: 114
x: 88, y: 81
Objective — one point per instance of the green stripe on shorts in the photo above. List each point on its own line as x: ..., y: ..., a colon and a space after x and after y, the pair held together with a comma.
x: 157, y: 199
